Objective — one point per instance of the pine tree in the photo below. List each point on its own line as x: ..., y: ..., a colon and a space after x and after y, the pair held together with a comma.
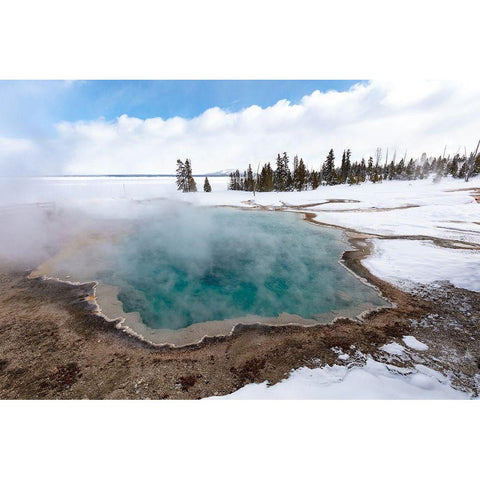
x: 235, y: 180
x: 300, y: 176
x: 362, y: 171
x: 206, y: 185
x: 453, y: 167
x: 370, y: 168
x: 265, y: 180
x: 345, y: 167
x: 476, y: 167
x: 410, y: 169
x: 400, y: 170
x: 269, y: 178
x: 231, y: 185
x: 328, y: 168
x: 462, y: 173
x: 190, y: 185
x: 249, y: 183
x: 180, y: 175
x: 314, y: 179
x: 282, y: 177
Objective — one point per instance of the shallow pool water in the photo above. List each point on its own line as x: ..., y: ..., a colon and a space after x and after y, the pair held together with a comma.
x: 193, y: 264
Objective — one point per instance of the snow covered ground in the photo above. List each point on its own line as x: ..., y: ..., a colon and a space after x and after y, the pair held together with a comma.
x: 403, y: 262
x: 373, y: 381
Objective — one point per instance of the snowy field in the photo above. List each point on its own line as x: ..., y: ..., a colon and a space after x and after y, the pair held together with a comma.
x: 406, y: 262
x: 391, y: 208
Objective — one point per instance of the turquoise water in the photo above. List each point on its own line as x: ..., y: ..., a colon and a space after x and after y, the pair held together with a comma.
x: 194, y: 264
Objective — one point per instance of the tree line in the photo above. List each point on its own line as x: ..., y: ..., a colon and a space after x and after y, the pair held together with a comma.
x: 299, y: 177
x: 283, y: 178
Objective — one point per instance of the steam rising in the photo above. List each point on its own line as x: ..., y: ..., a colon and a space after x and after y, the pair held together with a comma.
x: 174, y: 263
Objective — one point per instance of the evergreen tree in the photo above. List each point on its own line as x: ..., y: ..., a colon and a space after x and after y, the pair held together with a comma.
x: 410, y: 169
x: 400, y: 170
x: 206, y: 185
x: 391, y: 170
x: 328, y: 168
x: 476, y: 167
x: 180, y: 175
x: 282, y: 177
x: 370, y: 169
x: 266, y: 181
x: 345, y: 167
x: 352, y: 180
x: 362, y: 171
x: 236, y: 180
x: 463, y: 172
x: 453, y: 167
x: 231, y: 185
x: 249, y: 182
x: 300, y: 176
x: 314, y: 179
x: 190, y: 185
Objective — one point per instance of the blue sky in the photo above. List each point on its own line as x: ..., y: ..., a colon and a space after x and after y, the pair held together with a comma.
x: 31, y: 108
x: 117, y: 134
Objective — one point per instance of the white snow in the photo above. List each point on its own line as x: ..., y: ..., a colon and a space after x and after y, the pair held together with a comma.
x: 402, y: 262
x: 412, y: 342
x: 373, y: 381
x: 393, y: 348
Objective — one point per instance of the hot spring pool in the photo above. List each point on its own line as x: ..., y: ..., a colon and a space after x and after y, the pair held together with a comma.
x: 191, y: 265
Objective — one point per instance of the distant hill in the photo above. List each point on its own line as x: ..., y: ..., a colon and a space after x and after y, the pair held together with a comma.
x: 220, y: 173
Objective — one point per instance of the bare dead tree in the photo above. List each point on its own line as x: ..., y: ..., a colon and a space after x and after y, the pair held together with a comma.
x: 256, y: 180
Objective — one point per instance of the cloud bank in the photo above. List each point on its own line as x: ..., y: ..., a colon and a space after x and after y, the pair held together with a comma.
x: 417, y: 116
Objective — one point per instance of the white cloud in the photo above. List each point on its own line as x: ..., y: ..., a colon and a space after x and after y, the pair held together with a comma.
x: 416, y: 116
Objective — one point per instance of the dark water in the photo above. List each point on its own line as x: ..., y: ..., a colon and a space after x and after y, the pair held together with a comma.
x: 194, y: 264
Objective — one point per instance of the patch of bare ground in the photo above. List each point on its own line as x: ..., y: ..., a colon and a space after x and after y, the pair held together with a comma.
x: 452, y: 334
